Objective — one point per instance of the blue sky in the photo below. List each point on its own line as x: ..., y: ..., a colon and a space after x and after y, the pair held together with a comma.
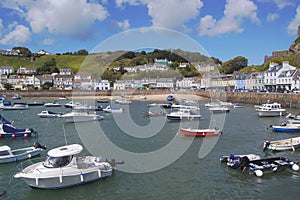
x: 224, y: 28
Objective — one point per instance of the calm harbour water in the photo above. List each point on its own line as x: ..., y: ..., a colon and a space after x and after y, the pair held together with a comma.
x: 189, y: 177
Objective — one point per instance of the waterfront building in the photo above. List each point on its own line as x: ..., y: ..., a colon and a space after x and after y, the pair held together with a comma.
x: 64, y: 82
x: 185, y: 83
x: 165, y: 83
x: 24, y: 70
x: 32, y: 82
x: 255, y: 81
x: 10, y: 52
x: 65, y: 71
x: 271, y: 76
x: 240, y: 81
x: 6, y: 70
x: 17, y: 81
x: 82, y: 81
x: 101, y: 85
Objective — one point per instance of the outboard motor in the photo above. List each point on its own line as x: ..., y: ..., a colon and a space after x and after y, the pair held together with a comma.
x: 38, y: 145
x: 244, y: 162
x: 266, y: 145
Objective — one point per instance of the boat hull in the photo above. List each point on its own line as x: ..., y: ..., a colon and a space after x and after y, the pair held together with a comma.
x: 285, y: 129
x: 65, y: 181
x: 271, y: 113
x: 17, y: 135
x: 75, y: 119
x: 29, y: 153
x: 183, y: 117
x: 200, y: 133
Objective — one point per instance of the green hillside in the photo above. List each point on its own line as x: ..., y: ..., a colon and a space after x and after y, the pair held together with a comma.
x: 15, y: 62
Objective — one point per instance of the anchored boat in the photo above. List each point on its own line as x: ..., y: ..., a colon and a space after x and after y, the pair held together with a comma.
x: 63, y: 168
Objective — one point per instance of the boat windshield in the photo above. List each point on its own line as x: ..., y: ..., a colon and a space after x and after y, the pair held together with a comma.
x: 54, y: 162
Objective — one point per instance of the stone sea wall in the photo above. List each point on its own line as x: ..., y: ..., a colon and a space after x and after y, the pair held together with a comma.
x: 287, y: 100
x: 290, y: 100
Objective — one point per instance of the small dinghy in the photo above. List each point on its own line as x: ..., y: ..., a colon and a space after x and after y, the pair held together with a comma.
x: 260, y: 166
x: 282, y: 145
x: 8, y: 155
x: 63, y: 168
x: 236, y: 161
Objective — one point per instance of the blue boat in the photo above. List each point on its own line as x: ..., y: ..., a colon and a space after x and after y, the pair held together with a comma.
x: 285, y: 127
x: 170, y: 97
x: 7, y: 130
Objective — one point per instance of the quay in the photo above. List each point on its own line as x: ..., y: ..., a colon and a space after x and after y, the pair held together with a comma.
x: 289, y: 100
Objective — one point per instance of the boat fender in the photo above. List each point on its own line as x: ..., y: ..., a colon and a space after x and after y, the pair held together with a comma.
x: 99, y: 173
x: 259, y: 173
x: 29, y: 155
x: 60, y: 178
x: 295, y: 167
x: 81, y: 177
x: 36, y: 181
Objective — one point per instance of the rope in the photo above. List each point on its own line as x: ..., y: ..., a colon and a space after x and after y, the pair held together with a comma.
x: 65, y: 134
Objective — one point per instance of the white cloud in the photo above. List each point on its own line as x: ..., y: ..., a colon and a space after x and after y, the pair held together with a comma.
x: 64, y: 16
x: 283, y: 3
x: 172, y: 13
x: 293, y: 25
x: 19, y: 35
x: 167, y: 13
x: 1, y: 26
x: 272, y: 17
x: 236, y: 11
x: 124, y: 25
x: 48, y: 41
x: 121, y: 3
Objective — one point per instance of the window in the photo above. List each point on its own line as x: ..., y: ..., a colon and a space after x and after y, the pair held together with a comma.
x: 55, y: 162
x: 4, y: 153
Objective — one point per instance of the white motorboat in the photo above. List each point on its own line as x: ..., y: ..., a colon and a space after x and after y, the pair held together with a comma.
x: 15, y: 106
x: 80, y: 116
x: 219, y: 109
x: 110, y: 109
x: 183, y: 114
x: 72, y: 104
x: 271, y: 110
x: 16, y: 97
x: 185, y: 106
x: 53, y: 104
x: 8, y: 155
x: 63, y: 168
x: 281, y: 145
x: 48, y: 114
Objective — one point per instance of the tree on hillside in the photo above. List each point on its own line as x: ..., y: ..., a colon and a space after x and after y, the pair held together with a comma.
x: 82, y: 52
x: 216, y: 61
x: 25, y: 52
x: 233, y: 65
x: 48, y: 67
x: 111, y: 75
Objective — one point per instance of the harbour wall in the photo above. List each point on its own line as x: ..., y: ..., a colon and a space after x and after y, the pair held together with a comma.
x: 289, y: 100
x: 286, y: 100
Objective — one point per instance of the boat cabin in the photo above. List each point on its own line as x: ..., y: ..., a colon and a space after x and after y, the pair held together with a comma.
x: 55, y: 162
x: 5, y: 151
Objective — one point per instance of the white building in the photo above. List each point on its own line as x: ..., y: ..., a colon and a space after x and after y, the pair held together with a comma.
x: 6, y: 70
x: 65, y: 71
x: 185, y: 83
x: 24, y: 70
x: 271, y: 76
x: 101, y: 85
x: 255, y: 81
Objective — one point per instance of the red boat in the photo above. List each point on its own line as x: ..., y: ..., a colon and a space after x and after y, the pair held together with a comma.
x: 200, y: 132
